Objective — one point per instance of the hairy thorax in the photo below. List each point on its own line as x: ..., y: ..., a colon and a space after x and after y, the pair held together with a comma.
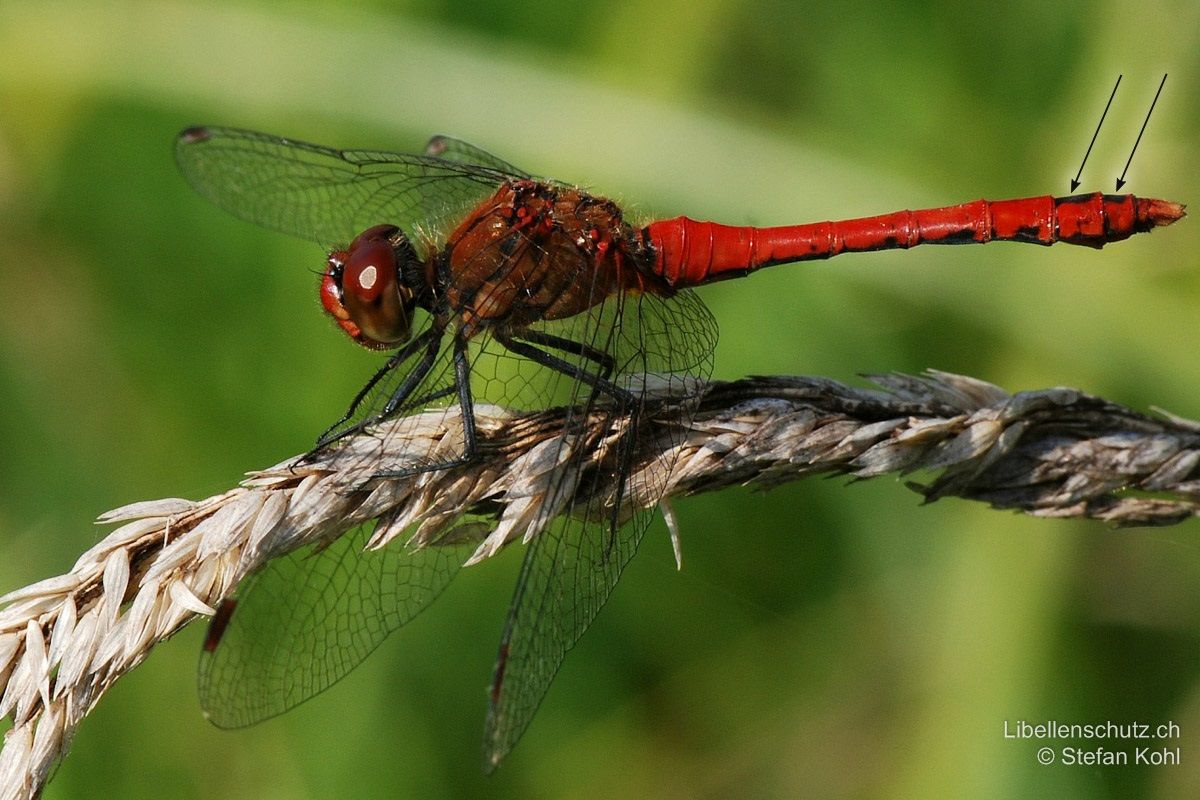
x: 538, y: 251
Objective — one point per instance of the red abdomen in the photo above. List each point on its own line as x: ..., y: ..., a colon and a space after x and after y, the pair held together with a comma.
x: 688, y: 253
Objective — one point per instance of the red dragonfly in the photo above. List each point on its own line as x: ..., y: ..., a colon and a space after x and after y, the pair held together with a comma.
x: 478, y: 275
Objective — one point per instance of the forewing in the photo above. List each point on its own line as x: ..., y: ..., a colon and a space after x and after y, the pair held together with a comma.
x: 328, y: 195
x: 448, y: 148
x: 573, y: 565
x: 308, y: 618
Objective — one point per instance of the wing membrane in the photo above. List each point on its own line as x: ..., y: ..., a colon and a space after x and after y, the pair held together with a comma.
x: 328, y: 195
x: 572, y: 567
x: 308, y: 618
x: 448, y: 148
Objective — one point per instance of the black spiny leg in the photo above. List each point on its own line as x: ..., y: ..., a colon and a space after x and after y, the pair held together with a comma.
x: 414, y: 378
x: 399, y: 357
x: 623, y: 397
x: 605, y: 360
x: 600, y: 383
x: 462, y: 381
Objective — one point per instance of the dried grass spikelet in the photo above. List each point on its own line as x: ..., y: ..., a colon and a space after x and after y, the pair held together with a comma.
x: 1056, y: 452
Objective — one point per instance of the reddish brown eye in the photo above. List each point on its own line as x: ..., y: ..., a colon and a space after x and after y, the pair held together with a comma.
x: 331, y: 300
x: 364, y: 291
x: 370, y: 273
x: 371, y: 291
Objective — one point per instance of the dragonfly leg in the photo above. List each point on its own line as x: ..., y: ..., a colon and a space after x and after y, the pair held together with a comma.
x: 414, y: 378
x: 513, y: 343
x: 604, y: 360
x: 328, y: 437
x: 625, y: 400
x: 462, y: 383
x: 426, y: 399
x: 431, y: 341
x: 522, y: 342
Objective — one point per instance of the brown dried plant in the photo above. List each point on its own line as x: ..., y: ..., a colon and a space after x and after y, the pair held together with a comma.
x: 1052, y: 453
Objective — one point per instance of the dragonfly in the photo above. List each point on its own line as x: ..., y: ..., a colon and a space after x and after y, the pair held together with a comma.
x: 482, y: 282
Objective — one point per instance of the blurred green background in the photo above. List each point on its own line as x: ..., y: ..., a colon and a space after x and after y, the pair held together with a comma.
x: 824, y: 640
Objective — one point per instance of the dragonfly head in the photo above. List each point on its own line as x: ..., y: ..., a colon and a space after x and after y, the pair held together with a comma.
x: 365, y: 291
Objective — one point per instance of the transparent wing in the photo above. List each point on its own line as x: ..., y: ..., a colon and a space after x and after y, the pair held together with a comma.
x: 328, y: 195
x: 448, y: 148
x: 308, y: 618
x: 572, y: 567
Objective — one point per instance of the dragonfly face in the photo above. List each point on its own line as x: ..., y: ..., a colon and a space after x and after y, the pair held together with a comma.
x: 367, y: 287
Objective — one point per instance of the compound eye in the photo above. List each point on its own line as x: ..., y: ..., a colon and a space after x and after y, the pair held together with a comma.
x: 371, y: 291
x: 374, y: 232
x: 369, y: 273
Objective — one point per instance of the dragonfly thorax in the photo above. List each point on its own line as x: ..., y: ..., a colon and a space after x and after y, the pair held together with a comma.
x: 369, y: 290
x: 537, y: 251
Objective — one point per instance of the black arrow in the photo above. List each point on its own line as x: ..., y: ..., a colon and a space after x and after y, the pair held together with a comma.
x: 1121, y: 180
x: 1075, y: 180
